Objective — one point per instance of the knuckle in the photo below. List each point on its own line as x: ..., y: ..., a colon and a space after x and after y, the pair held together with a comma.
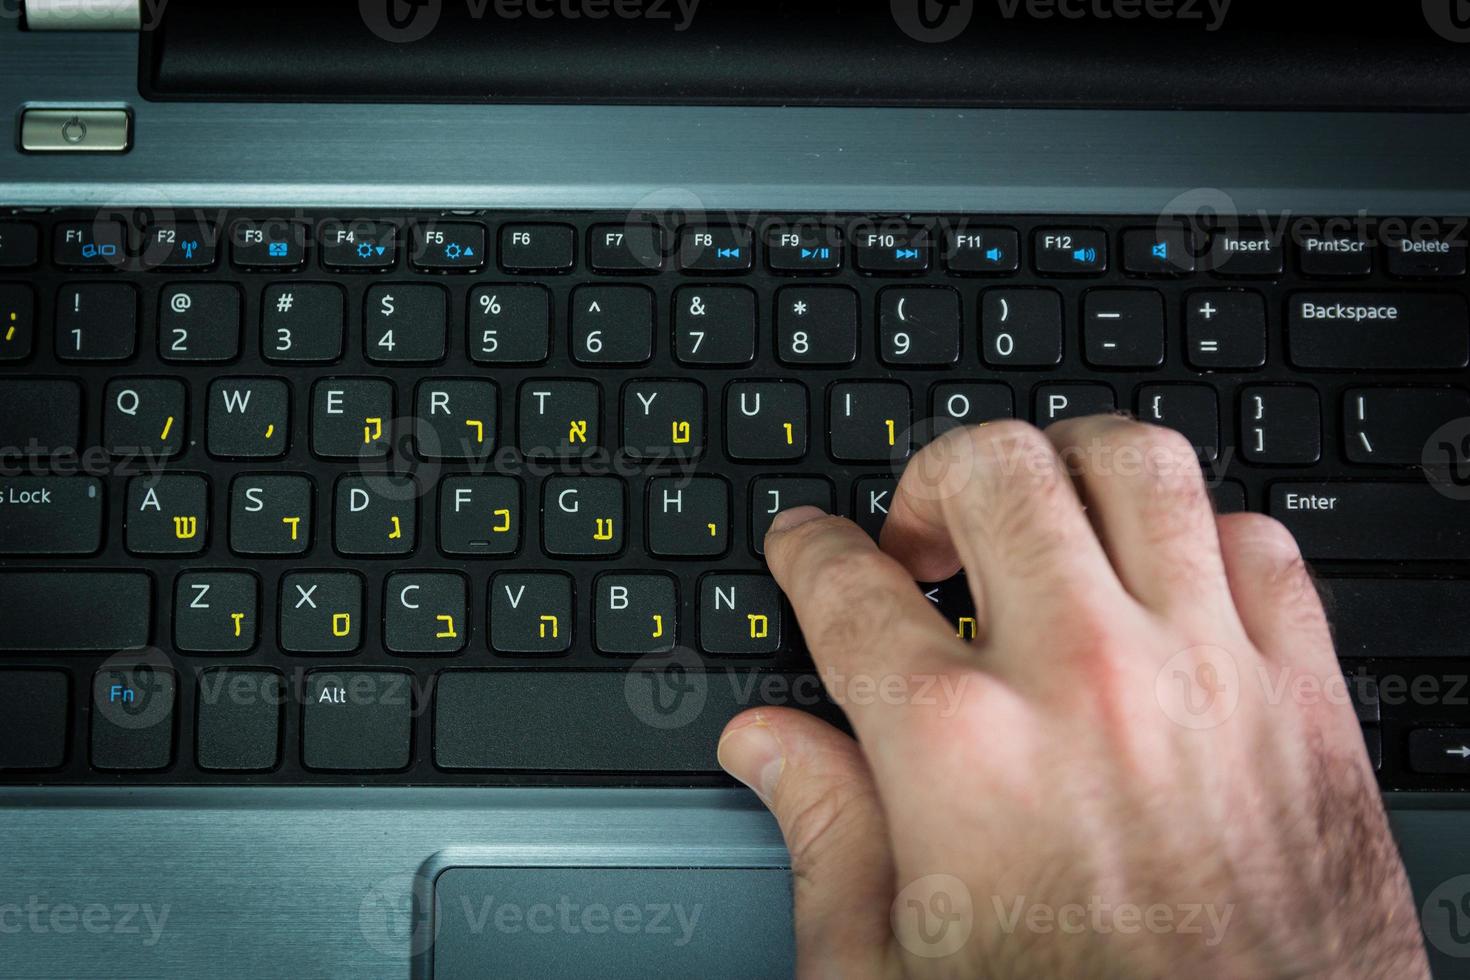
x: 1265, y: 537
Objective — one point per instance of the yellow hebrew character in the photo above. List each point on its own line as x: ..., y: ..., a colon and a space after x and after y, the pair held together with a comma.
x: 294, y: 523
x: 372, y: 429
x: 504, y: 525
x: 604, y: 530
x: 681, y: 433
x: 790, y: 433
x: 966, y: 628
x: 479, y: 428
x: 448, y: 632
x: 892, y: 436
x: 168, y: 426
x: 714, y: 530
x: 341, y: 624
x: 238, y: 618
x: 545, y: 620
x: 760, y: 626
x: 397, y: 531
x: 578, y: 431
x: 658, y: 626
x: 186, y: 528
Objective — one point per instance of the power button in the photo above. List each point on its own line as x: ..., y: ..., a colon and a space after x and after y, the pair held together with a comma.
x: 75, y: 130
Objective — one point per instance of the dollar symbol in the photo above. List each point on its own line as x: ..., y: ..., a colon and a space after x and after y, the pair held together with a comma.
x: 388, y: 305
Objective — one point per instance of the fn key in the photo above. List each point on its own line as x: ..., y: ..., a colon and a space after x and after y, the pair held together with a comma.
x: 133, y: 718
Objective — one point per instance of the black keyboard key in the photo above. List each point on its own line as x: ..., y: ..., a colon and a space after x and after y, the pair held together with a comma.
x: 804, y: 249
x: 538, y: 248
x: 1123, y: 328
x: 1425, y: 256
x: 1443, y: 751
x: 97, y: 322
x: 36, y: 719
x: 1167, y: 250
x: 145, y: 417
x: 688, y: 518
x: 982, y: 251
x: 405, y: 324
x: 239, y: 727
x: 275, y: 244
x: 248, y: 418
x: 190, y: 245
x: 869, y: 421
x: 19, y: 245
x: 1070, y: 251
x: 1055, y: 402
x: 766, y: 421
x: 271, y: 515
x: 480, y: 515
x: 635, y: 615
x: 612, y: 324
x: 716, y: 248
x: 199, y: 322
x: 714, y: 325
x: 321, y: 612
x: 375, y: 515
x: 1021, y: 327
x: 559, y: 419
x: 50, y: 515
x: 1373, y: 521
x: 888, y: 248
x: 1225, y: 328
x: 1393, y: 426
x: 357, y: 721
x: 303, y: 322
x: 1379, y: 331
x: 40, y: 417
x: 1246, y: 251
x: 352, y: 418
x: 970, y: 403
x: 1398, y: 618
x: 425, y: 613
x: 740, y: 615
x: 456, y: 419
x: 1229, y: 497
x: 91, y: 244
x: 531, y: 613
x: 663, y: 420
x: 83, y: 610
x: 919, y: 327
x: 216, y: 612
x: 358, y: 246
x: 1281, y: 425
x: 509, y: 324
x: 133, y: 717
x: 627, y: 247
x: 584, y: 516
x: 1335, y: 254
x: 769, y: 495
x: 872, y: 496
x: 167, y: 515
x: 17, y: 321
x: 817, y: 325
x: 1191, y: 410
x: 448, y: 246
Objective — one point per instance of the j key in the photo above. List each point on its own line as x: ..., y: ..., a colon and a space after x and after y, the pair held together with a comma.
x: 40, y: 417
x: 804, y: 249
x: 1246, y: 252
x: 1191, y: 410
x: 531, y: 613
x: 1373, y: 521
x: 145, y: 417
x: 1225, y: 329
x: 715, y: 248
x: 17, y: 321
x: 302, y: 322
x: 740, y: 615
x: 559, y: 419
x: 1123, y: 328
x: 34, y: 726
x: 351, y: 418
x: 769, y: 495
x: 971, y: 404
x: 1393, y: 426
x: 271, y: 515
x: 274, y: 244
x: 1425, y: 256
x: 766, y: 420
x: 663, y: 419
x: 357, y: 721
x: 82, y: 610
x: 50, y: 515
x: 248, y: 418
x: 612, y: 324
x: 1334, y: 255
x: 626, y: 248
x: 537, y: 248
x: 636, y: 614
x: 216, y: 612
x: 239, y: 727
x: 872, y: 496
x: 714, y: 325
x: 366, y: 246
x: 457, y: 246
x: 891, y: 249
x: 133, y: 717
x: 1070, y: 251
x: 1069, y: 401
x: 1168, y: 250
x: 181, y: 245
x: 321, y: 612
x: 919, y: 327
x: 869, y: 421
x: 1440, y: 750
x: 425, y: 612
x: 688, y: 518
x: 96, y: 322
x: 583, y: 516
x: 405, y: 323
x: 1280, y: 424
x: 1021, y: 327
x: 167, y: 515
x: 19, y: 245
x: 199, y: 322
x: 456, y: 419
x: 983, y: 251
x: 816, y: 325
x: 480, y: 515
x: 91, y: 244
x: 510, y: 324
x: 1379, y: 331
x: 375, y: 515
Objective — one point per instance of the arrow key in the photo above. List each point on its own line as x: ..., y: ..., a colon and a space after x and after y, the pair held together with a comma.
x: 1440, y: 750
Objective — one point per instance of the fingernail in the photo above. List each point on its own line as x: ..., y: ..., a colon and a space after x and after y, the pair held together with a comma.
x: 795, y: 517
x: 753, y: 755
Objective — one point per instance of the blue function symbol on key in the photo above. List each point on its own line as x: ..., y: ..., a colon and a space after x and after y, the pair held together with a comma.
x: 90, y: 249
x: 816, y: 254
x: 1084, y: 256
x: 278, y: 250
x: 121, y: 694
x: 906, y: 254
x: 728, y: 252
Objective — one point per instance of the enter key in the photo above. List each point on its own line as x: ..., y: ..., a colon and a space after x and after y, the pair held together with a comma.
x: 1374, y: 521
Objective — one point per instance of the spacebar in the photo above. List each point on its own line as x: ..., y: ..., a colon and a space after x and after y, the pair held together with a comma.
x: 604, y: 721
x: 74, y: 610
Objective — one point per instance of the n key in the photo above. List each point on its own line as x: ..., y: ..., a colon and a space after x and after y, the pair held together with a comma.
x: 739, y: 615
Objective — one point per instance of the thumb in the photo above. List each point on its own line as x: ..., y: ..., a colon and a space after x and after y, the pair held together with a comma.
x: 817, y: 783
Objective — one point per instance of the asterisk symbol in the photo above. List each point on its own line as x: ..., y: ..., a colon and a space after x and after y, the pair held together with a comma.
x: 799, y: 308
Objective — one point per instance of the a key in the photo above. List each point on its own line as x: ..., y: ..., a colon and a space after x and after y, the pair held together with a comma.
x: 509, y: 324
x: 320, y: 612
x: 405, y: 324
x: 1066, y: 401
x: 40, y: 418
x: 636, y: 614
x: 816, y: 325
x: 17, y: 321
x: 1393, y: 426
x: 216, y: 612
x: 239, y: 726
x: 271, y: 515
x: 425, y: 612
x: 1123, y: 328
x: 50, y: 515
x: 583, y: 516
x: 145, y: 417
x: 560, y: 419
x: 357, y: 721
x: 36, y: 718
x: 167, y: 515
x: 1225, y: 328
x: 688, y: 518
x: 663, y: 420
x: 1021, y: 327
x: 714, y: 325
x: 199, y: 322
x: 766, y: 421
x: 480, y: 515
x: 872, y: 496
x: 248, y: 418
x: 1280, y: 425
x: 537, y: 248
x: 612, y: 324
x: 96, y: 322
x: 919, y: 327
x: 530, y: 613
x: 1192, y: 410
x: 739, y: 615
x: 352, y: 418
x: 869, y: 421
x: 133, y: 717
x: 302, y: 322
x: 375, y: 515
x: 769, y: 495
x: 456, y: 419
x: 75, y: 610
x: 1378, y: 331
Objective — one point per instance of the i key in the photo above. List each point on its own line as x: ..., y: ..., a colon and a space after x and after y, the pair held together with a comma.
x: 869, y: 421
x: 248, y: 418
x: 636, y: 614
x: 145, y: 416
x: 215, y: 612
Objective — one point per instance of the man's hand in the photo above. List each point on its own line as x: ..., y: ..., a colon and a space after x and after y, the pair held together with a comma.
x: 1145, y: 764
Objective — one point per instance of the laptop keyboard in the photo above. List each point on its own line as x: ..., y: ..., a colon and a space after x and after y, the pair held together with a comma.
x: 454, y: 498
